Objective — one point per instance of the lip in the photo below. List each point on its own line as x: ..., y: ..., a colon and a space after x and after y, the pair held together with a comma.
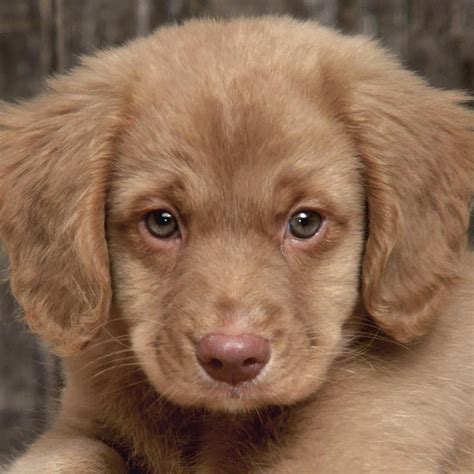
x: 248, y: 391
x: 235, y: 391
x: 231, y: 399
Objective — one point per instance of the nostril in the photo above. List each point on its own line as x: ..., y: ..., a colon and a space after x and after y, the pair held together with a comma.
x: 250, y: 361
x: 216, y: 364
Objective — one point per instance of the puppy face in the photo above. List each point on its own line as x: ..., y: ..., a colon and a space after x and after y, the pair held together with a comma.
x: 234, y: 191
x: 235, y: 176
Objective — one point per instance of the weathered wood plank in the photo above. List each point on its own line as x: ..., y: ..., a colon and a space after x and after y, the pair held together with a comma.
x: 324, y: 11
x: 387, y: 21
x: 81, y: 27
x: 441, y: 41
x: 25, y: 46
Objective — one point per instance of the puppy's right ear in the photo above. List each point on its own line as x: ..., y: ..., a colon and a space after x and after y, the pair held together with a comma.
x: 55, y: 153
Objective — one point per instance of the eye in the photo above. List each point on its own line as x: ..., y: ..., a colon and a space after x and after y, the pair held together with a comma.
x: 304, y: 224
x: 161, y: 224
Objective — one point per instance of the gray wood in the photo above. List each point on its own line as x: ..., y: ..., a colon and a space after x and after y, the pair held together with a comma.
x: 385, y: 20
x: 441, y: 41
x: 82, y: 27
x: 325, y: 11
x: 25, y: 46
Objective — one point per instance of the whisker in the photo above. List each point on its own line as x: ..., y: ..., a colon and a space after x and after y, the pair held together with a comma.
x: 104, y: 358
x: 115, y: 367
x: 133, y: 384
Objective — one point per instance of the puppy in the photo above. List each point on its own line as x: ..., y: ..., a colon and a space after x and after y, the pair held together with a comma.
x: 247, y: 240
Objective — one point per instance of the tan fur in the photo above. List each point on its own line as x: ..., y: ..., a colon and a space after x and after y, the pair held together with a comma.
x: 233, y: 126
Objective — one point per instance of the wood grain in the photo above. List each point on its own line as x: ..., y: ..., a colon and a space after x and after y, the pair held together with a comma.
x: 25, y: 46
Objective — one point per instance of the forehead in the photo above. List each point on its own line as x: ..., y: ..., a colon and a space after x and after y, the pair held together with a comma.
x: 243, y: 137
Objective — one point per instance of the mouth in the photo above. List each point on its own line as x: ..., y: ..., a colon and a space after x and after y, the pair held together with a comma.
x: 243, y: 390
x: 243, y: 396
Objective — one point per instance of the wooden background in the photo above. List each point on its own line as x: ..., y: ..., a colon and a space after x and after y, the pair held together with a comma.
x: 42, y: 37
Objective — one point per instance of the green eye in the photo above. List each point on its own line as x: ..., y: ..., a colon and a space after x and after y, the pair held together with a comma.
x: 161, y: 224
x: 304, y: 224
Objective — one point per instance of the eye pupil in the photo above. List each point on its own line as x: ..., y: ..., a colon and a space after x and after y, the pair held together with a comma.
x: 304, y: 224
x: 303, y: 220
x: 161, y: 224
x: 165, y: 218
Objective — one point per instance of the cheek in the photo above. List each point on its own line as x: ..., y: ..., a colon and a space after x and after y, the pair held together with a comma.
x: 329, y: 285
x: 138, y: 287
x: 146, y: 260
x: 143, y: 340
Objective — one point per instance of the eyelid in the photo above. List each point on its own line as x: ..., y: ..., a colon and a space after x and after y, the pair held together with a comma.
x: 303, y: 208
x: 133, y: 209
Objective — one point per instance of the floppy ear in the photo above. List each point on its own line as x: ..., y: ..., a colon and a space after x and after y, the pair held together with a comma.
x: 417, y: 148
x: 55, y: 152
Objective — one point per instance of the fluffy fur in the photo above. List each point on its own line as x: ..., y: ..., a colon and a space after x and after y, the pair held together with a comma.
x: 234, y: 126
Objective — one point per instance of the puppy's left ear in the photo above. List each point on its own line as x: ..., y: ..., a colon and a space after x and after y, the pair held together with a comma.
x: 55, y: 153
x: 417, y: 149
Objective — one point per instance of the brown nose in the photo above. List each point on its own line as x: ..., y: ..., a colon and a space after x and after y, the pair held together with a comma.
x: 233, y: 359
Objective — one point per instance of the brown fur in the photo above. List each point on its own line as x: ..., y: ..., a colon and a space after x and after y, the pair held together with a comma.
x: 234, y: 125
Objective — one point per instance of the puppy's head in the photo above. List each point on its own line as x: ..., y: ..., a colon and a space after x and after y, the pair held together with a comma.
x: 232, y: 192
